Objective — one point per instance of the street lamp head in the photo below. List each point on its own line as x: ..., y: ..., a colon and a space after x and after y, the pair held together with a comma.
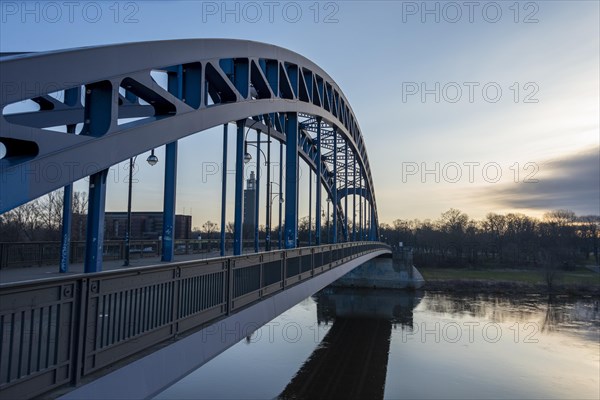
x: 247, y: 158
x: 152, y: 159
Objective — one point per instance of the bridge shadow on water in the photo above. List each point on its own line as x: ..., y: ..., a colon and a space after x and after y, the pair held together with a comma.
x: 351, y: 360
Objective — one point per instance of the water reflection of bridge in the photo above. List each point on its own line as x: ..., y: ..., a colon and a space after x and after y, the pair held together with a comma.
x: 351, y: 361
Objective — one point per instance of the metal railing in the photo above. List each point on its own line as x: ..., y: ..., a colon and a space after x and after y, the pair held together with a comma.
x: 56, y: 331
x: 29, y: 254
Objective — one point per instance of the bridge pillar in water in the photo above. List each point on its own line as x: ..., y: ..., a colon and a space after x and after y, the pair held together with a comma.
x: 291, y: 181
x: 94, y: 237
x: 384, y: 273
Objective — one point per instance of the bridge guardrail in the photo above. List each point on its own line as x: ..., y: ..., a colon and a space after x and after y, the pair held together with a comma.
x: 27, y: 254
x: 57, y: 330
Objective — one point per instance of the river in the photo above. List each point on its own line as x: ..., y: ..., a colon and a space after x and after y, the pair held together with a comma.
x: 347, y: 343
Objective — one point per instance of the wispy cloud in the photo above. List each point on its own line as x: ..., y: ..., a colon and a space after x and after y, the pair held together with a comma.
x: 568, y: 183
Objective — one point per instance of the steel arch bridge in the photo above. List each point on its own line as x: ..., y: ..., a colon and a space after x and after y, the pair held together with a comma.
x: 98, y: 106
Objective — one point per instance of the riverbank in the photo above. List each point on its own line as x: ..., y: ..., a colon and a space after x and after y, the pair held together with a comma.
x: 580, y: 281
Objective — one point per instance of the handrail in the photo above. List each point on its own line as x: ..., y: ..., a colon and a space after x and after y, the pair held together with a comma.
x: 58, y: 330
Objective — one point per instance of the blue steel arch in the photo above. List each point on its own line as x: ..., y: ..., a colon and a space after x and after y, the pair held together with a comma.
x: 211, y: 82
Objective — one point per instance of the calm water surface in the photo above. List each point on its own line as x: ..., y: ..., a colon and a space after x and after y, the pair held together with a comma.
x: 348, y: 343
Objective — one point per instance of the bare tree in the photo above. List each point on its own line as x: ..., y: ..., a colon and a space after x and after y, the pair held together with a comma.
x: 209, y: 228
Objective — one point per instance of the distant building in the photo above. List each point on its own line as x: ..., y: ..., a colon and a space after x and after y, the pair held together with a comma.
x: 144, y: 225
x: 250, y: 205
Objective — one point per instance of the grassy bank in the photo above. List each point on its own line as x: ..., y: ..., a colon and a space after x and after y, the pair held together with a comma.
x: 525, y: 280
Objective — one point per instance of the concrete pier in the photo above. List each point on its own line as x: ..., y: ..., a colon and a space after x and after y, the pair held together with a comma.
x: 383, y: 272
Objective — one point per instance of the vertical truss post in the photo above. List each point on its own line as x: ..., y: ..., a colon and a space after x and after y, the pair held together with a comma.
x: 65, y: 238
x: 373, y: 225
x: 94, y: 238
x: 280, y: 238
x: 291, y: 181
x: 360, y: 211
x: 239, y: 190
x: 223, y: 189
x: 257, y: 192
x: 175, y: 87
x: 354, y: 201
x: 268, y: 189
x: 334, y: 189
x: 168, y: 233
x: 365, y: 215
x: 310, y: 207
x: 346, y: 193
x: 72, y: 97
x: 318, y: 186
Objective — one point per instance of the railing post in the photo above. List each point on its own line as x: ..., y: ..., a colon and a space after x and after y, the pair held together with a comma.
x: 175, y: 299
x: 79, y: 334
x: 229, y: 286
x: 284, y: 273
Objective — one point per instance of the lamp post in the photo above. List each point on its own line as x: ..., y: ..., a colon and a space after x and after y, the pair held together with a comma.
x: 272, y: 197
x: 247, y: 159
x: 152, y: 160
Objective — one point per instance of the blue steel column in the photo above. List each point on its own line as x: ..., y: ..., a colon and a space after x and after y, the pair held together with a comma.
x: 239, y: 189
x: 373, y: 230
x: 346, y: 193
x: 268, y: 189
x: 223, y: 190
x: 364, y: 236
x: 66, y: 228
x: 175, y: 87
x: 72, y: 97
x: 334, y: 190
x: 257, y: 191
x: 280, y: 239
x: 309, y: 207
x: 354, y: 201
x: 168, y: 233
x: 291, y: 181
x: 318, y: 187
x: 94, y: 238
x: 360, y: 213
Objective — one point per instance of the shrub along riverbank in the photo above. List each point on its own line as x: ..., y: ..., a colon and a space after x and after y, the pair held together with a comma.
x: 578, y: 281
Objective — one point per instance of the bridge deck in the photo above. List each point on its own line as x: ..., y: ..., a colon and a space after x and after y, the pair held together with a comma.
x: 20, y: 274
x: 64, y: 330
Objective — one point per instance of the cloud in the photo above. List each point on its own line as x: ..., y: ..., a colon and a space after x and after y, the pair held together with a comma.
x: 569, y: 183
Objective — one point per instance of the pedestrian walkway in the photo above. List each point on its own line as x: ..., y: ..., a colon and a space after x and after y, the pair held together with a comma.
x: 10, y: 275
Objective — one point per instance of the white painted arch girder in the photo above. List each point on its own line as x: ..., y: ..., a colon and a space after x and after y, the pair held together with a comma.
x: 77, y: 156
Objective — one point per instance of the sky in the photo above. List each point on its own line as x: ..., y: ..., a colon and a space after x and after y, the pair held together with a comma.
x: 480, y: 106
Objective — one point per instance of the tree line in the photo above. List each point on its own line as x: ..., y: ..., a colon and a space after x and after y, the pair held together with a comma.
x: 560, y: 238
